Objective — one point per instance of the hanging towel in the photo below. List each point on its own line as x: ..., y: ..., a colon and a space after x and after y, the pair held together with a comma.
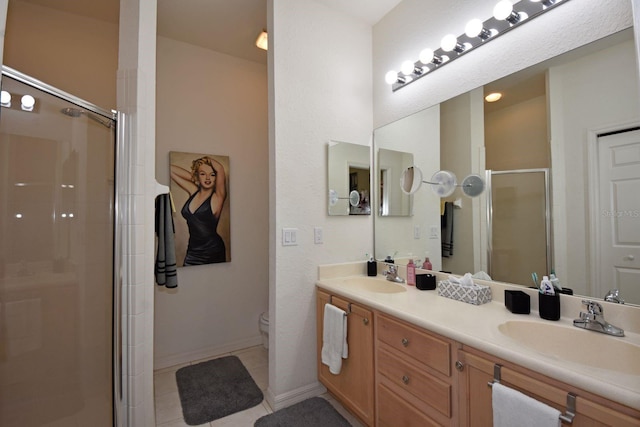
x: 446, y: 222
x: 165, y: 267
x: 512, y: 408
x: 334, y: 338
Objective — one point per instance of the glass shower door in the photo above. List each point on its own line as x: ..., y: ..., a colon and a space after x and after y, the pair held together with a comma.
x: 519, y: 228
x: 56, y: 260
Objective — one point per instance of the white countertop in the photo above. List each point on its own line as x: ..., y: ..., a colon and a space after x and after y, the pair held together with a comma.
x: 477, y: 326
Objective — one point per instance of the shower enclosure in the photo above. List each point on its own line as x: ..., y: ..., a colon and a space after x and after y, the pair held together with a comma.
x: 519, y: 229
x: 57, y: 293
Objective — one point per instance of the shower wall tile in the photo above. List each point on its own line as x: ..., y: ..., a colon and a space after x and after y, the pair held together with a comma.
x: 138, y: 208
x: 136, y: 329
x: 136, y: 395
x: 138, y: 269
x: 137, y: 299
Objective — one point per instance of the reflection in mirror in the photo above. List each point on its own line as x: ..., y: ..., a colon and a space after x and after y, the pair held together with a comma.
x: 555, y: 115
x: 349, y: 178
x: 391, y: 163
x: 443, y: 183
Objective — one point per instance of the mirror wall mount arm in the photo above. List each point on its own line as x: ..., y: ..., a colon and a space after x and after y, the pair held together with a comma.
x: 522, y: 12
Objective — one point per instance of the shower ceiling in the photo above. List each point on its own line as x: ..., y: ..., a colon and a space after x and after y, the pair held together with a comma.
x: 226, y: 26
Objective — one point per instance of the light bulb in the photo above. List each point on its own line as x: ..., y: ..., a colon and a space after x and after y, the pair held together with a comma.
x: 28, y: 102
x: 407, y: 68
x: 493, y: 97
x: 391, y: 77
x: 502, y: 10
x: 448, y: 42
x: 426, y: 56
x: 5, y: 99
x: 473, y: 28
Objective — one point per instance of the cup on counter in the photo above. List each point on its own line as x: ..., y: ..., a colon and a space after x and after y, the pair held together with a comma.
x: 549, y: 306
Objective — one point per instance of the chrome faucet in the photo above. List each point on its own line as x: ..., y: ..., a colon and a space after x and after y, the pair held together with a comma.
x: 392, y: 274
x: 614, y: 296
x: 593, y: 320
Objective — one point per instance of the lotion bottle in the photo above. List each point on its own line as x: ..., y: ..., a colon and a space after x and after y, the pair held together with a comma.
x: 372, y: 267
x: 426, y: 265
x: 411, y: 273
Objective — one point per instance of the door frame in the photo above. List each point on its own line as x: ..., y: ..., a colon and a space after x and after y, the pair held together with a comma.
x: 593, y: 197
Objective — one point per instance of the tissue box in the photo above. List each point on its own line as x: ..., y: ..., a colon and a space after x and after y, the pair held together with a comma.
x: 476, y: 295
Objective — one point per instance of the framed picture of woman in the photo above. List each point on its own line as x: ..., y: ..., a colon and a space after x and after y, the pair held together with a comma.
x: 199, y: 188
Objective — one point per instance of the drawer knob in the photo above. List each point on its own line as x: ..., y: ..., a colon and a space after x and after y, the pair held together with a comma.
x: 365, y: 321
x: 405, y: 379
x: 405, y: 342
x: 459, y: 365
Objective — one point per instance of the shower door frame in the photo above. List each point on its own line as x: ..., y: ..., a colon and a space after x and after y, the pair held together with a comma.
x: 547, y: 200
x: 118, y: 360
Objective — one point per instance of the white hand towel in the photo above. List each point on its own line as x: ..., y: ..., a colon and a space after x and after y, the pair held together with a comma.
x: 512, y: 408
x: 334, y: 338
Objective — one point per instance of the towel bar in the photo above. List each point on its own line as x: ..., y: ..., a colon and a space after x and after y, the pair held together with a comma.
x: 570, y: 410
x: 347, y: 311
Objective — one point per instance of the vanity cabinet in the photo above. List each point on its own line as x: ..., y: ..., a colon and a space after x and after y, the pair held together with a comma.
x: 353, y: 387
x: 414, y: 381
x: 477, y: 370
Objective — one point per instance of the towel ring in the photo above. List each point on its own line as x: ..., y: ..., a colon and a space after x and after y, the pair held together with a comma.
x: 570, y: 409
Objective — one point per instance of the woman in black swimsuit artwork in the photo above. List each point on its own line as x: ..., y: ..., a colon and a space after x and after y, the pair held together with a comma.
x: 206, y: 185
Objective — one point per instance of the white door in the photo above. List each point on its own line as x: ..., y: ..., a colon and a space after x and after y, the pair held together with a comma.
x: 619, y: 219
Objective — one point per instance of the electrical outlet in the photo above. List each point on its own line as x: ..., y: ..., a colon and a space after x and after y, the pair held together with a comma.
x: 317, y: 235
x: 434, y: 232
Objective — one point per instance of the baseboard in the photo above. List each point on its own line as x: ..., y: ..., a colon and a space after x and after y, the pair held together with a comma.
x: 294, y: 396
x: 206, y: 353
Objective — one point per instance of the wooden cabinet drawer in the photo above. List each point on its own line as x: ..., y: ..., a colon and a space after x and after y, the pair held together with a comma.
x: 408, y: 340
x: 425, y: 387
x: 395, y: 412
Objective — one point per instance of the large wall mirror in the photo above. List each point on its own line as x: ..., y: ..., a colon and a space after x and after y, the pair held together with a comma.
x: 572, y: 119
x: 349, y: 178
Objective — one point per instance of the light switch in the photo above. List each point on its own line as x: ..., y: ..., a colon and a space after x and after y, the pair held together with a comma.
x: 416, y: 231
x: 289, y: 236
x: 317, y: 235
x: 434, y: 232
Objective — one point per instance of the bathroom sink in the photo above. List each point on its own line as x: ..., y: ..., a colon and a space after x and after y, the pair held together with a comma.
x: 576, y: 345
x: 372, y: 284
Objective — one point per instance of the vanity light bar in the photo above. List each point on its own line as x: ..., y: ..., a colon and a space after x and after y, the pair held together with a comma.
x: 506, y: 17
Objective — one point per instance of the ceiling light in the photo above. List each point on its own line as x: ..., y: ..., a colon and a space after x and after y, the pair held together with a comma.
x: 263, y: 40
x: 493, y: 97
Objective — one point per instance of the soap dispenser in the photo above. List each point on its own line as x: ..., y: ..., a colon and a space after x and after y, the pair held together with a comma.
x: 372, y: 267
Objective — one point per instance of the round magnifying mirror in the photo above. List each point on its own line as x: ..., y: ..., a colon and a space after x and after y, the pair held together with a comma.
x: 473, y: 185
x: 411, y: 180
x: 443, y: 183
x: 354, y: 198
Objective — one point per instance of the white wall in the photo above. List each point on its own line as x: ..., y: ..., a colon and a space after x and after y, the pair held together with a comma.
x: 215, y: 307
x: 416, y: 24
x: 320, y: 90
x: 416, y: 135
x: 611, y: 103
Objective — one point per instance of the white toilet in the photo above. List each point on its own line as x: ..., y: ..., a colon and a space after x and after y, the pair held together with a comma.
x: 264, y: 329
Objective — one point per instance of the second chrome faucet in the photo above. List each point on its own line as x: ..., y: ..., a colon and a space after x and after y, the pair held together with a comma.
x: 593, y: 320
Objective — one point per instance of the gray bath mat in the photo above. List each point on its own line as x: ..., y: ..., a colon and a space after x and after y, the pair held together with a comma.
x: 214, y: 389
x: 314, y: 412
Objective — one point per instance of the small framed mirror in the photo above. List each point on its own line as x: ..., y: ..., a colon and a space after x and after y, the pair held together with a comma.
x: 349, y: 178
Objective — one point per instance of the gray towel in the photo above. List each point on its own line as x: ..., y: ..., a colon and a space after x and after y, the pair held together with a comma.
x: 447, y: 230
x: 165, y: 267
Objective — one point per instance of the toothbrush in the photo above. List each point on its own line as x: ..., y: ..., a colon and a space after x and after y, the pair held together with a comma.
x: 534, y: 276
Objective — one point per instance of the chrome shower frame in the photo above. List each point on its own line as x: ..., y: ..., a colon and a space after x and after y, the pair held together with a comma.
x: 119, y: 360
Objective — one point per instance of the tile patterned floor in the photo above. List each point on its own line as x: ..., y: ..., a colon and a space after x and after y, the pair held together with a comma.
x: 255, y: 359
